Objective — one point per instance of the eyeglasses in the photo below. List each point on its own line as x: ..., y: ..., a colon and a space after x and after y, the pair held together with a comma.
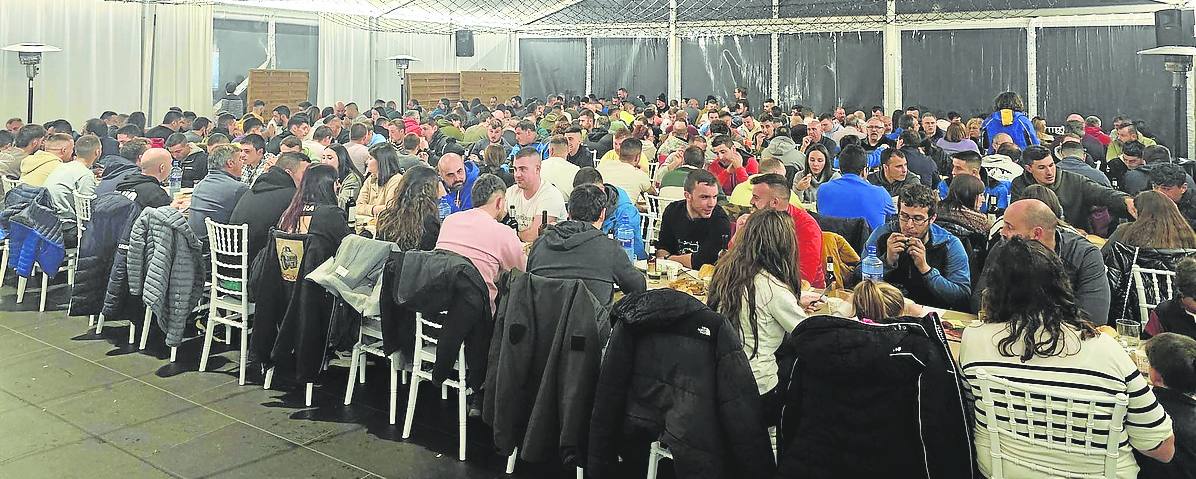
x: 914, y: 220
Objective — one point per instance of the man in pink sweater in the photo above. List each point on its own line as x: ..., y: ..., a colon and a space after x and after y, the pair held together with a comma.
x: 476, y: 233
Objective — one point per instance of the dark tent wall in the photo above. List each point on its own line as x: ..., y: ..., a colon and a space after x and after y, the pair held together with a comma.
x: 825, y: 70
x: 961, y: 70
x: 1097, y: 71
x: 716, y: 65
x: 552, y: 66
x: 240, y: 46
x: 638, y: 64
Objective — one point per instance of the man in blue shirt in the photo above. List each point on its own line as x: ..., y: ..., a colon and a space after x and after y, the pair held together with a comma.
x: 853, y: 197
x: 995, y: 191
x: 929, y: 264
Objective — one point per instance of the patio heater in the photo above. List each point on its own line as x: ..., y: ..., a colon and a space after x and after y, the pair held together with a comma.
x: 30, y: 55
x: 402, y: 63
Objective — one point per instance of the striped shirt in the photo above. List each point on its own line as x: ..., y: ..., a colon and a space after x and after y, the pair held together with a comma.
x: 1097, y: 366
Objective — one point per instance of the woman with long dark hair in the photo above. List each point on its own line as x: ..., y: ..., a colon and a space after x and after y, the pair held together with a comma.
x: 961, y: 207
x: 818, y: 172
x: 1034, y: 333
x: 382, y: 178
x: 756, y: 285
x: 1159, y: 225
x: 412, y: 217
x: 336, y: 156
x: 315, y: 199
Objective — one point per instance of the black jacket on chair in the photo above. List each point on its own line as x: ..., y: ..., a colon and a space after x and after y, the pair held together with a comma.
x: 855, y: 230
x: 867, y: 400
x: 674, y: 370
x: 434, y: 282
x: 112, y: 219
x: 544, y: 359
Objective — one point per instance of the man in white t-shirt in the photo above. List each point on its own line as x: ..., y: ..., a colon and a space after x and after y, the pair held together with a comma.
x: 556, y: 169
x: 532, y: 196
x: 625, y: 173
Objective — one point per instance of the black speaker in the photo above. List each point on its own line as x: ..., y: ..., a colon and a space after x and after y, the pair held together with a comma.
x: 1174, y: 28
x: 464, y: 41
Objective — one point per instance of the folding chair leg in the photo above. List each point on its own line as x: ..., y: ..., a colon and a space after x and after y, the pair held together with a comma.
x: 394, y: 390
x: 581, y: 473
x: 462, y: 416
x: 3, y: 264
x: 361, y: 372
x: 443, y: 392
x: 307, y: 401
x: 174, y: 353
x: 269, y: 378
x: 70, y: 272
x: 91, y: 321
x: 132, y: 332
x: 511, y: 461
x: 352, y: 376
x: 99, y: 323
x: 244, y: 351
x: 45, y: 284
x: 21, y: 283
x: 411, y: 392
x: 207, y: 346
x: 145, y: 327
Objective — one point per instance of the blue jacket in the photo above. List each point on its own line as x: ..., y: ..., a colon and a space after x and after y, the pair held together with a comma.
x: 462, y: 199
x: 853, y: 197
x: 33, y: 231
x: 998, y: 190
x: 949, y: 282
x: 540, y: 147
x: 625, y: 214
x: 1013, y: 123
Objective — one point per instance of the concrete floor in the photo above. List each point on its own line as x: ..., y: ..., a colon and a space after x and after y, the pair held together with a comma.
x: 73, y: 404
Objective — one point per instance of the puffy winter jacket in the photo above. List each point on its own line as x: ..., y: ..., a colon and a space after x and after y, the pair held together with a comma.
x: 855, y: 386
x: 166, y: 268
x: 1013, y: 123
x: 32, y: 228
x: 112, y: 219
x: 674, y: 371
x: 544, y: 358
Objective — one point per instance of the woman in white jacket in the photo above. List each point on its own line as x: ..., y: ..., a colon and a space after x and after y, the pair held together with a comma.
x: 756, y: 285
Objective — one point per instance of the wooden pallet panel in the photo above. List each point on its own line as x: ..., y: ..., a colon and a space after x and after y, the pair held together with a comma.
x: 485, y: 84
x: 429, y: 88
x: 278, y: 87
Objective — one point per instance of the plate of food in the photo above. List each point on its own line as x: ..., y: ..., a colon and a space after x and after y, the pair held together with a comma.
x: 686, y: 284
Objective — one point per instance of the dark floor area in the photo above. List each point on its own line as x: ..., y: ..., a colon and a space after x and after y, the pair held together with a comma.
x: 73, y: 404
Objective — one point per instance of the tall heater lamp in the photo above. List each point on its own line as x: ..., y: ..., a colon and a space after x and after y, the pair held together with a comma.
x: 402, y: 63
x: 30, y: 55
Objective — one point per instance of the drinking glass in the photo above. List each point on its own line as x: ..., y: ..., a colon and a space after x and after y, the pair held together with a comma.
x: 1129, y: 333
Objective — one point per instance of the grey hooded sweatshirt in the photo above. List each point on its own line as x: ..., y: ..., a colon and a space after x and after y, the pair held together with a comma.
x: 577, y: 250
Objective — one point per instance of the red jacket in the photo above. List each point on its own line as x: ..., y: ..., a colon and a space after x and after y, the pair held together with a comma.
x: 809, y: 246
x: 1094, y: 131
x: 728, y: 178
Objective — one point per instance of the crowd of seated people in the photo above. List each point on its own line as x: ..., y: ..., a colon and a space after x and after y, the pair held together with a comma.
x: 989, y: 214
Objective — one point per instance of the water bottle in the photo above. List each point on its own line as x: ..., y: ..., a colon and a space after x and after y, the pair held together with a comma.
x: 625, y: 236
x: 176, y: 180
x: 445, y: 207
x: 871, y: 267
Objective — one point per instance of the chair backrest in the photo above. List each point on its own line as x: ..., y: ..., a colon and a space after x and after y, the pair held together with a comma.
x: 83, y: 208
x: 228, y: 246
x: 650, y: 227
x: 657, y: 204
x: 1154, y: 286
x: 9, y: 183
x: 424, y: 330
x: 652, y: 166
x: 1073, y: 423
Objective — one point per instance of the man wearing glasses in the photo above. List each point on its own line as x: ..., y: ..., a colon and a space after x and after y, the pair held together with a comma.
x: 928, y: 263
x: 875, y: 135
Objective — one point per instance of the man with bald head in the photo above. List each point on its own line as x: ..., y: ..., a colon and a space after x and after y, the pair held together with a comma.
x: 1033, y: 220
x: 458, y: 176
x: 145, y: 187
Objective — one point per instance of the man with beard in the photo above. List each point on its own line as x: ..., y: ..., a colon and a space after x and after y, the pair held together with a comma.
x: 458, y: 177
x: 494, y: 131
